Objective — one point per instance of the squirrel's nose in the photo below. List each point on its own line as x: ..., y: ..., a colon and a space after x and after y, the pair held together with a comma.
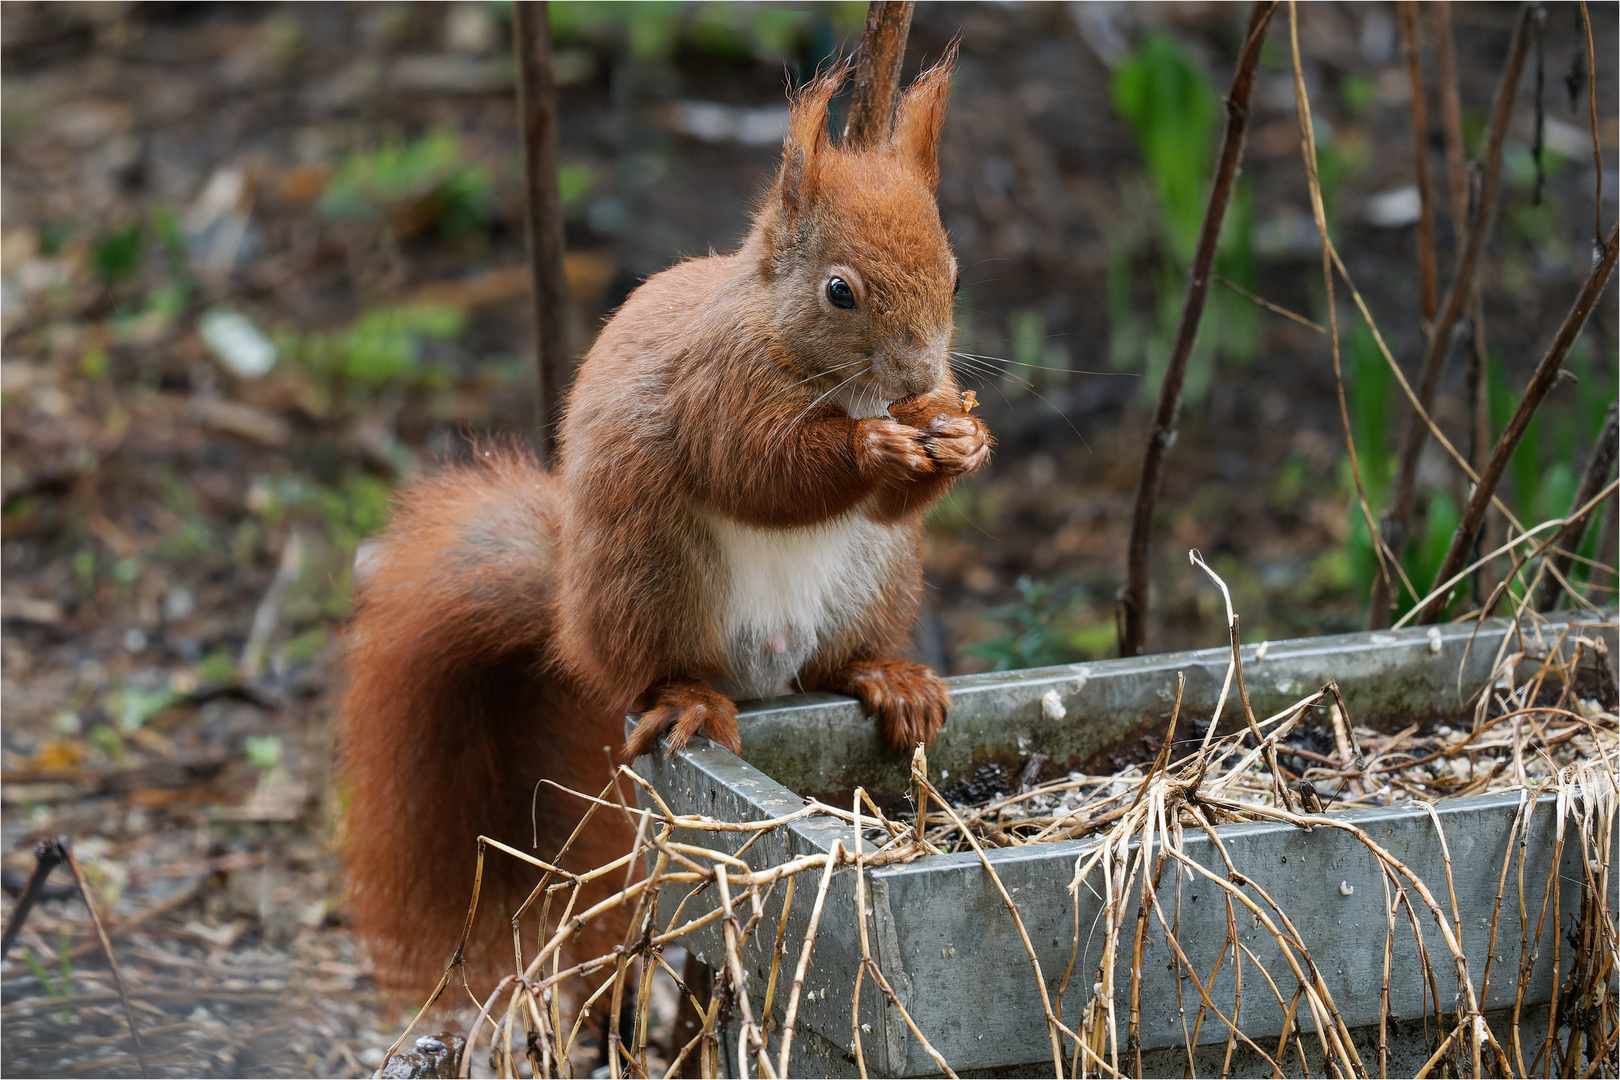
x: 915, y: 367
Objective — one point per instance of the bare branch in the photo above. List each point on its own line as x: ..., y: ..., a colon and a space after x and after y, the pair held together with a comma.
x: 542, y: 214
x: 1540, y: 383
x: 1598, y: 468
x: 1398, y: 519
x: 877, y: 72
x: 1412, y: 38
x: 1133, y: 601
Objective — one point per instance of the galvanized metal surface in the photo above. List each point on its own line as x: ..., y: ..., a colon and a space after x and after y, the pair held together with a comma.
x: 942, y: 934
x: 822, y: 744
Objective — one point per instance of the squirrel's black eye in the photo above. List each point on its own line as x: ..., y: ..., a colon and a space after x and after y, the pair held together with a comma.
x: 839, y: 292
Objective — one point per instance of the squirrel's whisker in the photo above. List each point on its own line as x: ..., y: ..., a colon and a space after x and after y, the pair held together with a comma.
x: 817, y: 375
x: 1040, y: 367
x: 776, y: 444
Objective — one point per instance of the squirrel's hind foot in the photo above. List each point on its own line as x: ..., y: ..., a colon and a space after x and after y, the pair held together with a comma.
x: 683, y: 709
x: 908, y: 700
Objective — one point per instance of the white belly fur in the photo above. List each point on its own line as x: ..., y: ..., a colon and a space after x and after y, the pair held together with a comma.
x: 785, y: 591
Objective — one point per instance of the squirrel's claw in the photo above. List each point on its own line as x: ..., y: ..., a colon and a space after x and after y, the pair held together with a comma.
x: 957, y: 444
x: 683, y: 709
x: 908, y: 700
x: 887, y: 450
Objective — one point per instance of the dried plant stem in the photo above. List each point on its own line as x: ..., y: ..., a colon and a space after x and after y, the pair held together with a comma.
x: 1520, y: 821
x: 1451, y: 120
x: 542, y: 213
x: 1441, y: 588
x: 47, y: 857
x: 1307, y: 137
x: 750, y: 1034
x: 1540, y: 383
x: 1397, y: 521
x: 832, y: 859
x: 1479, y: 428
x: 1464, y: 984
x: 1549, y: 575
x: 1141, y: 840
x: 1261, y: 301
x: 89, y: 898
x: 1383, y: 990
x: 776, y: 954
x: 1278, y: 787
x: 1133, y: 601
x: 1052, y: 1023
x: 860, y: 972
x: 1597, y: 144
x: 1599, y: 465
x: 1457, y: 183
x: 1412, y: 40
x: 877, y: 72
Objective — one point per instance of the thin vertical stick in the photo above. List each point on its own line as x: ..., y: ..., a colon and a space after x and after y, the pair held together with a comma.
x: 106, y: 946
x: 1133, y: 600
x: 1598, y: 468
x: 542, y: 213
x: 47, y: 857
x: 1445, y: 58
x: 1479, y: 427
x: 1018, y: 923
x: 877, y: 73
x: 1398, y: 519
x: 1313, y: 183
x: 1597, y: 144
x: 919, y: 767
x: 1412, y: 39
x: 1479, y: 436
x: 1540, y: 383
x: 833, y: 856
x: 1397, y: 522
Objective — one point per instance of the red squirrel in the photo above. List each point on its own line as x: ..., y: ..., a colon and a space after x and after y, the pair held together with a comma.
x: 736, y: 512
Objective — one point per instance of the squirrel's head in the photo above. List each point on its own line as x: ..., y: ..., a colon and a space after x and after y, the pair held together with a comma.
x: 860, y: 271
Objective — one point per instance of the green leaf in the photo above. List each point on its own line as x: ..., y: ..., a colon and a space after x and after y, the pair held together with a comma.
x: 117, y: 255
x: 263, y: 752
x: 1037, y: 633
x: 132, y: 706
x: 1172, y: 108
x: 1369, y: 383
x: 574, y: 182
x: 431, y: 173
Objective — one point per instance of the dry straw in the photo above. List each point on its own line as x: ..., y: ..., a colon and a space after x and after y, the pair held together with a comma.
x: 1537, y: 735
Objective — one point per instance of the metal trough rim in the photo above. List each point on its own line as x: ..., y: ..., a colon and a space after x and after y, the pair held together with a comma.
x: 705, y: 777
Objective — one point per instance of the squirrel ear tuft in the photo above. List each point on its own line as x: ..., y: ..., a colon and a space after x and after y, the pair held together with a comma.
x: 922, y: 115
x: 806, y: 139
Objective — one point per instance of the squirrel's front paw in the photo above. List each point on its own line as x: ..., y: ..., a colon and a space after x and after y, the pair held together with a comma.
x: 889, y: 450
x: 957, y: 444
x: 908, y: 700
x: 683, y: 709
x: 955, y: 440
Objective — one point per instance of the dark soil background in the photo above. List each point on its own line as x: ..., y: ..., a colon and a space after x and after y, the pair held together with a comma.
x: 185, y: 182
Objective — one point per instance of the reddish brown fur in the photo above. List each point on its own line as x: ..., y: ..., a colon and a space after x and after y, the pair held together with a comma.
x: 449, y: 721
x: 515, y: 616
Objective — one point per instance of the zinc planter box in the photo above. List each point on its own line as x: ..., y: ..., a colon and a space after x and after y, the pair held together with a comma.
x: 943, y: 937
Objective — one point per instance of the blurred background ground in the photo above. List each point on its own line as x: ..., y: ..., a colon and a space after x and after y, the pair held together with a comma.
x: 262, y: 263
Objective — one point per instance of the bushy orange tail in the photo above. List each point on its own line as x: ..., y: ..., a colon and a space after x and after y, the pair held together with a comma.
x: 452, y: 717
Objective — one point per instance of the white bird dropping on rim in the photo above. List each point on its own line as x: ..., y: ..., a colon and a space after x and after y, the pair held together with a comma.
x: 1052, y: 706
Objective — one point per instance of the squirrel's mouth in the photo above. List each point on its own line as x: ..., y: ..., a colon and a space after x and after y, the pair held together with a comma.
x: 862, y: 399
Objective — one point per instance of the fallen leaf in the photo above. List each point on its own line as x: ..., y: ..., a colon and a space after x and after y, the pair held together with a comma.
x: 32, y: 610
x: 246, y: 422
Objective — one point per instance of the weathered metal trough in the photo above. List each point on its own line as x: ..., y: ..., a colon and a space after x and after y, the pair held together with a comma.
x: 943, y: 936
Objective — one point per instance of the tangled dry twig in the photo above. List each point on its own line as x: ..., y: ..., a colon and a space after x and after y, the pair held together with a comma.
x: 1553, y: 737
